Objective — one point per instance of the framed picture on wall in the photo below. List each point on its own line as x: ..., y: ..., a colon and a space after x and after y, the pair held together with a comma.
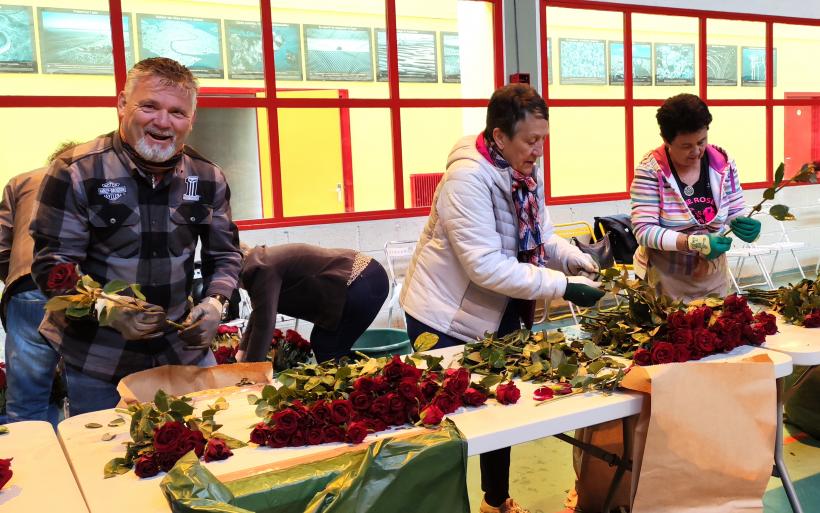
x: 753, y: 66
x: 721, y: 65
x: 674, y: 64
x: 244, y: 42
x: 79, y: 42
x: 17, y: 40
x: 641, y: 63
x: 194, y: 42
x: 417, y: 56
x: 582, y: 61
x: 338, y: 53
x: 450, y: 58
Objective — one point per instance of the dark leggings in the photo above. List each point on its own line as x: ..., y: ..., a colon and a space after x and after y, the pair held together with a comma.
x: 495, y: 465
x: 365, y: 296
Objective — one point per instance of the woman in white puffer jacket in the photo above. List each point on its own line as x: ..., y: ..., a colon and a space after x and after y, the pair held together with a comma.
x: 489, y: 250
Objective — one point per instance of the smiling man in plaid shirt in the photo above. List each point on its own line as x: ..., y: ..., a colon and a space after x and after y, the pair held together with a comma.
x: 132, y: 205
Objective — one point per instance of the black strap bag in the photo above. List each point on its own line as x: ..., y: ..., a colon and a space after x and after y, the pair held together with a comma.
x: 618, y: 228
x: 600, y: 251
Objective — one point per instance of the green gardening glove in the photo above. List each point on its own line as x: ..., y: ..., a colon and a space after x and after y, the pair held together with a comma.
x: 710, y: 245
x: 746, y: 228
x: 582, y: 291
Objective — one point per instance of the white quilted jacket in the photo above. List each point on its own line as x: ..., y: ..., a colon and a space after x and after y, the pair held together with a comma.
x: 464, y: 269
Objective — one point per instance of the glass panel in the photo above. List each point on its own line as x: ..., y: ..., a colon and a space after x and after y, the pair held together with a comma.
x: 646, y: 133
x: 427, y: 136
x: 335, y: 160
x: 748, y: 146
x: 445, y: 49
x: 75, y: 57
x: 29, y: 136
x: 579, y: 42
x: 795, y: 46
x: 336, y: 49
x: 571, y: 175
x: 229, y: 137
x: 796, y: 136
x: 733, y: 66
x: 675, y: 52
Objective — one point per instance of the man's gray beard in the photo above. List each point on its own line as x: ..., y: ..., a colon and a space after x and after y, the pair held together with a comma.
x: 155, y: 153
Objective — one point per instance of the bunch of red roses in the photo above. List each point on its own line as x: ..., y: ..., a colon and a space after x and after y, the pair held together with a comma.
x: 288, y: 349
x: 172, y: 441
x: 702, y: 331
x: 5, y: 471
x: 397, y: 394
x: 812, y: 320
x: 225, y: 344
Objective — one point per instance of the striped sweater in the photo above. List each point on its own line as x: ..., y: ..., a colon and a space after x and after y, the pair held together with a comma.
x: 659, y: 212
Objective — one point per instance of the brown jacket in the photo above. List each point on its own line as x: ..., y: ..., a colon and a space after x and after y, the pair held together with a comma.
x: 299, y: 280
x: 16, y: 244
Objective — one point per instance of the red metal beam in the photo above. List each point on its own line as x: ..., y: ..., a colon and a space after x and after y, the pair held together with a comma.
x: 117, y: 44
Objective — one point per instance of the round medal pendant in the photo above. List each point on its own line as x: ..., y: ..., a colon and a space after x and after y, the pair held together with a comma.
x: 689, y: 190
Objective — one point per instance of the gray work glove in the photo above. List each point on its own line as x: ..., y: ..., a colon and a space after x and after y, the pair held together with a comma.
x: 201, y: 324
x: 147, y: 323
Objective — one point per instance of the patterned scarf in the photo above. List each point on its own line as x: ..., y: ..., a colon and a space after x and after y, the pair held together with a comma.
x: 530, y: 245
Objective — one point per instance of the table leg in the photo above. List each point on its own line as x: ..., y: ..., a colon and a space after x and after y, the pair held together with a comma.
x: 623, y: 465
x: 779, y: 463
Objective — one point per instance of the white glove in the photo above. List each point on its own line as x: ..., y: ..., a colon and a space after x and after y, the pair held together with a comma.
x: 581, y: 263
x: 583, y: 280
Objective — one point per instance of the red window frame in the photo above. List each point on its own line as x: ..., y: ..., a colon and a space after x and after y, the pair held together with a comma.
x: 395, y: 103
x: 629, y: 102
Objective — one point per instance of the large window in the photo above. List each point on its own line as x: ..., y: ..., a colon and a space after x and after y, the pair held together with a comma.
x: 750, y: 69
x: 317, y: 111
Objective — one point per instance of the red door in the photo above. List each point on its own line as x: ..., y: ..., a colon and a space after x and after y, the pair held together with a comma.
x: 801, y: 132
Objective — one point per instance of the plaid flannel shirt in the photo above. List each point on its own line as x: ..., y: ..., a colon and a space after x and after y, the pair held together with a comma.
x: 96, y: 209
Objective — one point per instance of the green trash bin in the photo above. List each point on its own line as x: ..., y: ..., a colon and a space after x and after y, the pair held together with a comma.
x: 379, y: 342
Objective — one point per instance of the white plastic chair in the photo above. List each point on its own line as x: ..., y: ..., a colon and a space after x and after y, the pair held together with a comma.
x: 398, y: 254
x: 783, y: 245
x: 742, y: 253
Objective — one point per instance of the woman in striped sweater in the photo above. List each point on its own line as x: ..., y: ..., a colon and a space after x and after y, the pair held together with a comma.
x: 684, y: 194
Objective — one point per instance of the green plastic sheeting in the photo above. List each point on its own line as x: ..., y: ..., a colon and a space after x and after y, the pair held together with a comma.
x: 423, y: 473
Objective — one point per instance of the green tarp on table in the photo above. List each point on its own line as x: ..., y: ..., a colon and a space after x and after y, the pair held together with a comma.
x: 420, y: 473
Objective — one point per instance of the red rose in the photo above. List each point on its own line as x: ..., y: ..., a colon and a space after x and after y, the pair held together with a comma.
x: 5, y: 471
x: 411, y: 411
x: 62, y: 277
x: 642, y: 357
x: 682, y: 354
x: 376, y: 425
x: 364, y: 384
x: 429, y: 388
x: 169, y: 436
x: 380, y: 384
x: 733, y: 302
x: 298, y: 439
x: 287, y: 420
x: 507, y: 393
x: 663, y: 352
x: 166, y: 460
x: 409, y: 389
x: 705, y: 341
x: 754, y: 333
x: 393, y: 370
x: 334, y: 434
x: 457, y: 380
x: 677, y: 320
x: 224, y: 354
x: 356, y: 431
x: 445, y: 401
x: 563, y: 388
x: 2, y: 376
x: 812, y: 320
x: 360, y: 400
x: 768, y: 321
x: 217, y: 449
x: 145, y: 466
x: 278, y: 438
x: 380, y: 406
x: 314, y: 435
x: 729, y: 331
x: 397, y: 418
x: 260, y: 434
x: 699, y: 317
x: 410, y: 371
x: 543, y: 394
x: 474, y: 397
x: 682, y: 336
x: 321, y: 410
x: 340, y: 411
x: 277, y: 333
x: 194, y: 440
x: 395, y: 402
x: 224, y: 329
x: 431, y: 416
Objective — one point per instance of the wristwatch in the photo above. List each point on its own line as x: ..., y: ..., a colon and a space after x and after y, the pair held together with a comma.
x: 223, y: 301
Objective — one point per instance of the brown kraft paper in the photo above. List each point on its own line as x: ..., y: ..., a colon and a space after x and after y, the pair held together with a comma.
x: 709, y: 437
x: 181, y: 380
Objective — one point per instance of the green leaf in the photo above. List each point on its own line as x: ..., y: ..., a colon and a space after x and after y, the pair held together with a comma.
x: 232, y: 443
x: 115, y: 286
x: 4, y: 430
x: 313, y: 382
x: 490, y: 381
x: 592, y: 351
x: 595, y: 367
x: 58, y: 303
x: 136, y: 288
x: 779, y: 212
x: 425, y: 342
x: 107, y: 437
x: 641, y: 338
x: 77, y: 312
x: 343, y: 372
x: 778, y: 175
x: 567, y: 370
x: 93, y: 425
x: 182, y: 407
x: 88, y: 282
x: 161, y: 400
x: 220, y: 404
x: 116, y: 422
x: 269, y: 392
x: 769, y: 193
x: 116, y: 467
x: 557, y: 357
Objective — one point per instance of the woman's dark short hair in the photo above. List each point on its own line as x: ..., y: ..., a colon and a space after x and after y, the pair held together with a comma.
x: 511, y: 104
x: 682, y: 114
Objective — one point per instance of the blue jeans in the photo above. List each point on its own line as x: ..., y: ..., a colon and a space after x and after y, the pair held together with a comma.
x: 87, y: 394
x: 30, y: 361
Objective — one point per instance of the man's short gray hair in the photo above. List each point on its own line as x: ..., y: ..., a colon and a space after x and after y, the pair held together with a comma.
x: 168, y: 71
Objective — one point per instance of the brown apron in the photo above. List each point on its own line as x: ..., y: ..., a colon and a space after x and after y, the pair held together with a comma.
x: 686, y: 275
